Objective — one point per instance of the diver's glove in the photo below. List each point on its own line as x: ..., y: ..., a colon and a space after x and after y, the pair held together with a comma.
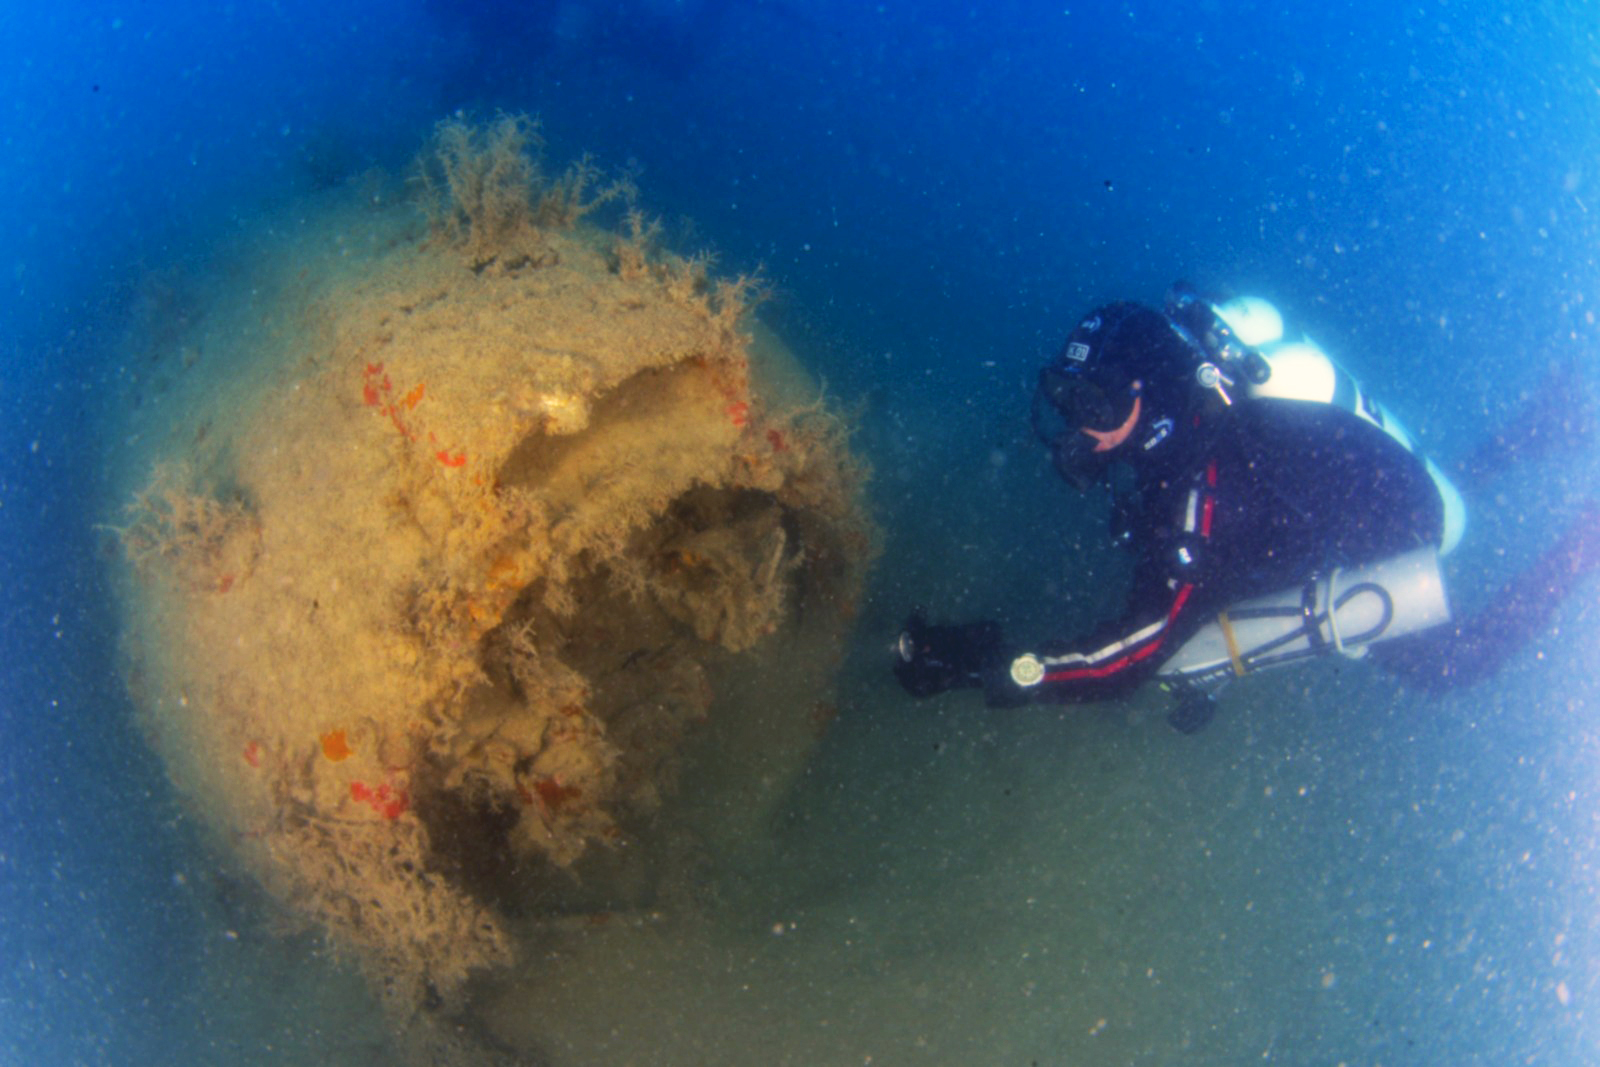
x: 932, y: 659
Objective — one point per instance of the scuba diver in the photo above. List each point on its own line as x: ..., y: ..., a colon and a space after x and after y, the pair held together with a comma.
x: 1274, y: 511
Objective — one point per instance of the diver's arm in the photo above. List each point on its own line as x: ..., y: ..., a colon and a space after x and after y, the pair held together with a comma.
x: 1169, y: 603
x: 1110, y: 663
x: 1175, y: 591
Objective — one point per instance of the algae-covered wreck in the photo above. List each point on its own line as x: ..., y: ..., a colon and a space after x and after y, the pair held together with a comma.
x: 469, y: 546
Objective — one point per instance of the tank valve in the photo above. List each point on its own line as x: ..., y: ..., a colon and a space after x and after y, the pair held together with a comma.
x: 1210, y: 376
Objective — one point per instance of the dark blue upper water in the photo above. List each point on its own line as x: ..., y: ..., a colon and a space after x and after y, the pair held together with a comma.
x: 935, y: 191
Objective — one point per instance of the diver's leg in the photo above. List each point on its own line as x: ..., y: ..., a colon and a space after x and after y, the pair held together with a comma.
x: 1467, y: 652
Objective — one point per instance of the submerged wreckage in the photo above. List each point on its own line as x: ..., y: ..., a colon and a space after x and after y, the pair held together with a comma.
x: 463, y: 549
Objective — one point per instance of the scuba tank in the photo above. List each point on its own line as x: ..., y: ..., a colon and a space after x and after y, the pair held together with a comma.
x: 1343, y: 611
x: 1245, y: 353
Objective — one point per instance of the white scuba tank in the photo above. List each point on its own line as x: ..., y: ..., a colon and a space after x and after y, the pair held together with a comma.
x: 1301, y: 370
x: 1347, y: 609
x: 1343, y: 611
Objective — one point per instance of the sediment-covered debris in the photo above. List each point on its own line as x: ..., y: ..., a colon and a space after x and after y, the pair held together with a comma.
x: 433, y: 608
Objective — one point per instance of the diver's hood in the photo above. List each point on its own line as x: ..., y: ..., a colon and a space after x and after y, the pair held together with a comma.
x: 1120, y: 389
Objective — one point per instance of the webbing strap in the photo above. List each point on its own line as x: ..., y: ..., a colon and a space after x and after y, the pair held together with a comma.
x: 1232, y: 642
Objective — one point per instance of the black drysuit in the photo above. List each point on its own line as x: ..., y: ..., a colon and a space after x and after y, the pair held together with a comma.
x: 1259, y: 497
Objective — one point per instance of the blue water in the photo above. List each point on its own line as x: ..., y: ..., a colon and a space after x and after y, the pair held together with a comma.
x: 935, y: 191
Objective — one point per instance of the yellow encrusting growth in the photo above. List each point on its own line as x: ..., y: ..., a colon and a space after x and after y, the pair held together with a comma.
x: 457, y: 585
